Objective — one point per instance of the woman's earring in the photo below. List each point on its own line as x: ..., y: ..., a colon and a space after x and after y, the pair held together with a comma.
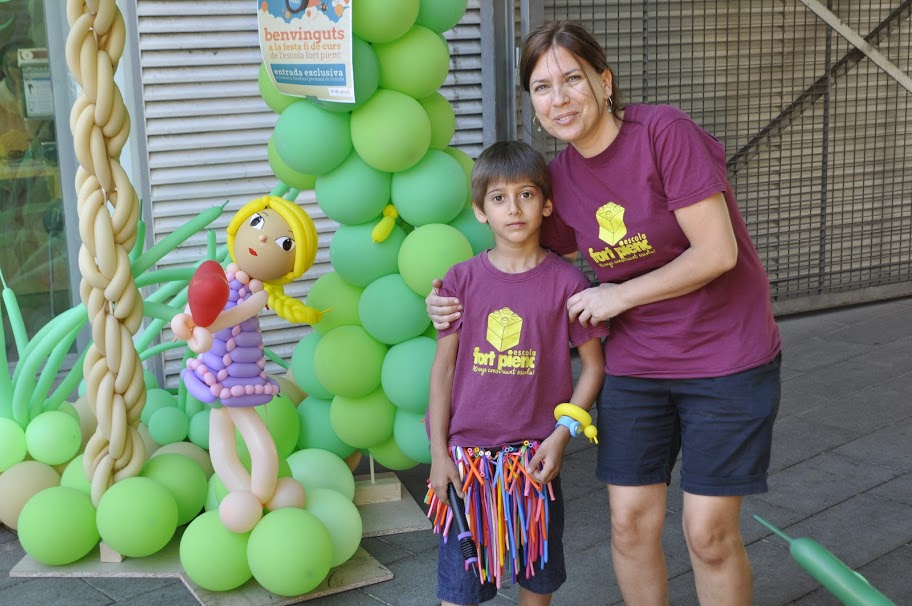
x: 534, y: 123
x: 610, y: 104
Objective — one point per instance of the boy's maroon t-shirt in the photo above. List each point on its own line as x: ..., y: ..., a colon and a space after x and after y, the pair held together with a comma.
x: 513, y: 361
x: 617, y: 209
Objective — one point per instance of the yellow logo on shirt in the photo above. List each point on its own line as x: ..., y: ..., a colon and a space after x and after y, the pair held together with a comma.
x: 504, y: 328
x: 503, y: 332
x: 610, y: 219
x: 613, y: 231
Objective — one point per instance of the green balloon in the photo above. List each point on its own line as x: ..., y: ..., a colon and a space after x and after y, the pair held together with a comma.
x: 342, y: 520
x: 311, y: 140
x: 70, y: 410
x: 391, y: 312
x: 53, y: 437
x: 442, y: 117
x: 478, y: 234
x: 465, y: 160
x: 358, y: 259
x: 431, y: 332
x: 428, y: 253
x: 302, y: 364
x: 289, y: 551
x: 406, y: 373
x: 155, y: 399
x: 353, y: 193
x: 6, y: 408
x: 384, y: 20
x: 284, y: 173
x: 411, y: 436
x: 348, y: 361
x: 199, y: 429
x: 150, y: 379
x: 12, y: 444
x: 439, y: 173
x: 183, y: 478
x: 441, y: 15
x: 74, y: 476
x: 276, y: 101
x: 215, y: 493
x: 415, y: 64
x: 316, y: 468
x: 391, y: 456
x: 331, y: 291
x: 391, y: 132
x: 281, y: 417
x: 137, y: 517
x: 363, y: 422
x: 214, y: 557
x: 169, y: 425
x: 316, y: 430
x: 367, y: 77
x: 57, y: 526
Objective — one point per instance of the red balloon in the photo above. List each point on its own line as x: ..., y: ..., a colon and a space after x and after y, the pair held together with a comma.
x: 208, y: 293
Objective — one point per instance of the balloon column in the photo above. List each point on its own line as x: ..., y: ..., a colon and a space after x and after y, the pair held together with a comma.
x: 381, y: 167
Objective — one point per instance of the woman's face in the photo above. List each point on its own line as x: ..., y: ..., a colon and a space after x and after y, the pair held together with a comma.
x: 264, y: 246
x: 569, y: 99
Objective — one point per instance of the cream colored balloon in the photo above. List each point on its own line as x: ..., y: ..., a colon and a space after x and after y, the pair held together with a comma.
x: 240, y: 511
x: 87, y: 420
x: 20, y: 483
x: 288, y: 493
x: 190, y: 450
x: 151, y: 445
x: 353, y: 460
x: 290, y: 389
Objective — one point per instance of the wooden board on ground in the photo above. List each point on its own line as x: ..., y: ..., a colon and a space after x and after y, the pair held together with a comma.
x: 385, y: 487
x: 393, y: 517
x: 360, y: 570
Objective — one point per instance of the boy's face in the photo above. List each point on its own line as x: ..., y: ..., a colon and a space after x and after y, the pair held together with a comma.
x: 514, y: 211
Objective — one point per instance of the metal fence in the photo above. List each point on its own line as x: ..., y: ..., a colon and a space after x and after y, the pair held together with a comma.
x: 816, y: 129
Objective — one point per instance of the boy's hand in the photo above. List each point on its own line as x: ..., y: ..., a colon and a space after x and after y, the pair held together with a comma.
x: 442, y: 310
x: 443, y: 473
x: 550, y: 456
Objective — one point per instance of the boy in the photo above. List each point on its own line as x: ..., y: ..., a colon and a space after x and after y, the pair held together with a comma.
x: 498, y: 374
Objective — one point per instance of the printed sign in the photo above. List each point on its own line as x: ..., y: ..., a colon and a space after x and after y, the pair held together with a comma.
x: 307, y: 48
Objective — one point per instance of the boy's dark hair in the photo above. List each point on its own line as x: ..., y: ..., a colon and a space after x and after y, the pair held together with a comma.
x: 509, y: 162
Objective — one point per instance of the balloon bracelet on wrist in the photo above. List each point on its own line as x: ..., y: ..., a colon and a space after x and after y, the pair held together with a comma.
x: 575, y: 419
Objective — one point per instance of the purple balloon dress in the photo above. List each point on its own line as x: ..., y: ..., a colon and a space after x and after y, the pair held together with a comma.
x: 233, y: 371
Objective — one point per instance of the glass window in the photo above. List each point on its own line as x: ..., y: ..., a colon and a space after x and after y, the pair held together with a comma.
x: 33, y: 249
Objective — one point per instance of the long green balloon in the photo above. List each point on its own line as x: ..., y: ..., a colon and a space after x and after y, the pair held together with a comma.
x: 848, y: 586
x: 175, y: 238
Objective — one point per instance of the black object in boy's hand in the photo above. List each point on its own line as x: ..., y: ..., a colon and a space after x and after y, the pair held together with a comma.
x: 466, y: 544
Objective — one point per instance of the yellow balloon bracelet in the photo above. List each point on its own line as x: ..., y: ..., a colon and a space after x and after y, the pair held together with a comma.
x: 577, y: 414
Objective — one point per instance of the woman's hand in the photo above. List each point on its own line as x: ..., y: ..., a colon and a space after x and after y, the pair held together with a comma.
x: 442, y: 310
x: 198, y: 338
x: 443, y: 473
x: 596, y: 304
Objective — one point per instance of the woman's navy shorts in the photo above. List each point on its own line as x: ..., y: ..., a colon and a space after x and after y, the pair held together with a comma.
x: 458, y: 586
x: 723, y: 426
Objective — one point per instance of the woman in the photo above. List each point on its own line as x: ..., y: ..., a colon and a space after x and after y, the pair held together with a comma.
x: 692, y: 362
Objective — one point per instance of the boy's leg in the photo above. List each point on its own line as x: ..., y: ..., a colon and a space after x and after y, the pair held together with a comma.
x: 455, y: 584
x: 529, y: 598
x: 721, y: 568
x: 537, y: 590
x: 637, y: 518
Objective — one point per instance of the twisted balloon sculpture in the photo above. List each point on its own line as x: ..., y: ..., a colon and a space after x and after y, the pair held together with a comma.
x: 108, y: 214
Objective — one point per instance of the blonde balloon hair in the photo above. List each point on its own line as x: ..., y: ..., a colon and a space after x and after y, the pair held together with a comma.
x: 305, y: 237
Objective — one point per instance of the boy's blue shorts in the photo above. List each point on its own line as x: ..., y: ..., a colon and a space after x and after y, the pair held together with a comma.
x: 457, y: 585
x: 722, y: 425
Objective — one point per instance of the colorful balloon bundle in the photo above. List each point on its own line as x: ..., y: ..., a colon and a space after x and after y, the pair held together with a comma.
x: 381, y: 168
x: 506, y: 510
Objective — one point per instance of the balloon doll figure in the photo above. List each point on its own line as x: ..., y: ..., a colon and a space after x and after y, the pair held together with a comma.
x: 272, y: 242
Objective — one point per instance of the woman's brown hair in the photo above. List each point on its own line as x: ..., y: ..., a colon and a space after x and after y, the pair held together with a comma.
x: 575, y: 39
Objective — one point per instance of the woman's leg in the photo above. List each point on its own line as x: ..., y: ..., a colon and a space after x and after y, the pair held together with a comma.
x: 529, y: 598
x: 721, y: 568
x: 637, y: 518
